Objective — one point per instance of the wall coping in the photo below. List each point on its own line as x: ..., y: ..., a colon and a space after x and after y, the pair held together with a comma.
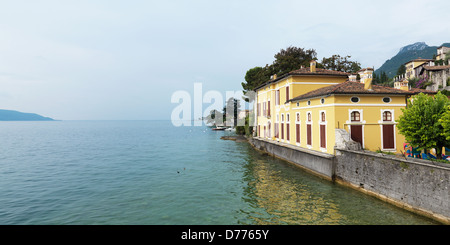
x: 297, y: 148
x: 416, y: 161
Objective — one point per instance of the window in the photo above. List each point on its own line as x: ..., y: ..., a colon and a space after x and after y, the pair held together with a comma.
x: 277, y: 97
x: 309, y: 117
x: 355, y: 99
x: 287, y: 93
x: 298, y: 117
x: 387, y: 116
x: 309, y: 102
x: 322, y: 100
x: 322, y: 115
x: 354, y: 116
x: 386, y: 99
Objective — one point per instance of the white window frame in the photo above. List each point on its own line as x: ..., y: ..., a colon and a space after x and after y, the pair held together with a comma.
x: 361, y: 122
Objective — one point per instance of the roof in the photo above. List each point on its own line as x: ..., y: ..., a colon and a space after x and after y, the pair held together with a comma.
x: 365, y: 69
x: 436, y: 68
x: 306, y: 72
x: 419, y: 59
x: 350, y: 87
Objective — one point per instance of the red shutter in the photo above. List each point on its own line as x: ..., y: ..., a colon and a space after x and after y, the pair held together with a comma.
x: 297, y: 129
x: 278, y: 97
x: 388, y: 137
x: 287, y: 93
x: 356, y: 133
x: 323, y: 142
x: 282, y: 130
x: 308, y: 134
x: 287, y: 131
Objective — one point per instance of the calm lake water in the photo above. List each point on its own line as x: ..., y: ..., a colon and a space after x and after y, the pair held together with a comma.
x: 150, y: 172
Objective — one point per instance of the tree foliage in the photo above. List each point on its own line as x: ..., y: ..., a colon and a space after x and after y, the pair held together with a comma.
x: 341, y: 63
x: 421, y: 124
x: 382, y: 78
x: 401, y: 70
x: 293, y: 58
x: 289, y: 59
x: 445, y: 122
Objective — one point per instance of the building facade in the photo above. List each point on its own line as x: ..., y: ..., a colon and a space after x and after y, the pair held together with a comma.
x: 306, y: 106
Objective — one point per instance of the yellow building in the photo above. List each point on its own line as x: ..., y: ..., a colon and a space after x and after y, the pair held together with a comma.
x: 274, y: 113
x: 411, y: 66
x: 305, y: 107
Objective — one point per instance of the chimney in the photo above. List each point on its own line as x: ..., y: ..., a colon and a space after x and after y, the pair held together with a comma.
x: 403, y: 85
x: 366, y: 78
x: 312, y: 65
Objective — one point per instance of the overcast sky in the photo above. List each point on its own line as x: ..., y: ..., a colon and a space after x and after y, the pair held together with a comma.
x: 109, y: 60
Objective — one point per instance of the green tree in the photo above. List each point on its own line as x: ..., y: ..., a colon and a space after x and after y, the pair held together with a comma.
x: 287, y: 60
x: 445, y: 122
x: 292, y: 58
x: 420, y: 122
x: 254, y: 77
x: 401, y: 70
x: 339, y: 63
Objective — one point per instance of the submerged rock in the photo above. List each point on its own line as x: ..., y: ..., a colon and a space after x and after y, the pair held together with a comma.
x: 237, y: 138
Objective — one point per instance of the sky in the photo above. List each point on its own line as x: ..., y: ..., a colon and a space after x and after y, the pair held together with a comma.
x: 123, y: 60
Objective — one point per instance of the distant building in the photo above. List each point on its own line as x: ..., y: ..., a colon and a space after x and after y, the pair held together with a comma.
x: 439, y: 76
x: 441, y: 52
x: 436, y: 77
x: 413, y: 66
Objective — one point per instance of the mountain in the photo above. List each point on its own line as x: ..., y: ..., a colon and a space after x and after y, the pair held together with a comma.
x: 408, y: 53
x: 8, y: 115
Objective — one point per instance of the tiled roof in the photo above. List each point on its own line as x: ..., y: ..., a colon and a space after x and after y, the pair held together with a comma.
x: 419, y: 90
x: 436, y: 68
x: 306, y: 71
x: 319, y: 71
x: 419, y: 59
x: 350, y: 87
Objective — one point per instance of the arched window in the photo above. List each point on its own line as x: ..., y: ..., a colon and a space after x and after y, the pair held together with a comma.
x: 354, y: 117
x: 322, y: 116
x: 387, y: 116
x: 309, y: 117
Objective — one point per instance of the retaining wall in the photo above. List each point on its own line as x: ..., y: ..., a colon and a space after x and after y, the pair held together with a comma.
x: 413, y: 184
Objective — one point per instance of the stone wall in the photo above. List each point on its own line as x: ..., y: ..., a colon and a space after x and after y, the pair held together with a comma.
x: 316, y: 162
x: 413, y: 184
x: 416, y: 185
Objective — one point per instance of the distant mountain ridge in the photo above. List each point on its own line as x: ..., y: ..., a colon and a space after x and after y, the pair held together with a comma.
x: 408, y: 53
x: 10, y: 115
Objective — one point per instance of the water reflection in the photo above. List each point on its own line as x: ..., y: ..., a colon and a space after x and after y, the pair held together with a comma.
x: 284, y: 194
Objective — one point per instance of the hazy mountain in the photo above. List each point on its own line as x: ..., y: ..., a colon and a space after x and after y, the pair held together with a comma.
x: 407, y: 53
x: 9, y: 115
